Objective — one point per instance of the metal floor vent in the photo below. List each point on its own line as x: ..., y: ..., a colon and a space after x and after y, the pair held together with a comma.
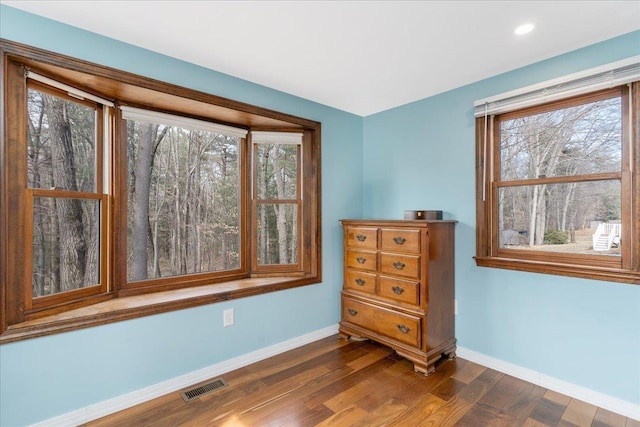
x: 199, y: 391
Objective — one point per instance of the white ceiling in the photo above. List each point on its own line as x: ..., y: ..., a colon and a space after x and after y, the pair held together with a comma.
x: 359, y: 56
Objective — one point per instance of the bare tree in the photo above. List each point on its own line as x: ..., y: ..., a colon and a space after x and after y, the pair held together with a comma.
x: 189, y: 187
x: 280, y: 209
x: 73, y: 247
x: 574, y: 141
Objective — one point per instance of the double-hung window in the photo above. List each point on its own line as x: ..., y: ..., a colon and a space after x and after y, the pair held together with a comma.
x: 65, y: 203
x: 124, y: 196
x: 277, y: 200
x: 557, y: 177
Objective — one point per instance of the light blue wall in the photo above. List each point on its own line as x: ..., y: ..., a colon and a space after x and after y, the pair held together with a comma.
x: 421, y: 156
x: 65, y: 372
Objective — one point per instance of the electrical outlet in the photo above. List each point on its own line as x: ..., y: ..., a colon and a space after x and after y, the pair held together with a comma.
x: 455, y: 307
x: 227, y: 317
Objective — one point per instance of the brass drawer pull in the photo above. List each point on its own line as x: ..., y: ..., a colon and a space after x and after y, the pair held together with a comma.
x: 399, y: 240
x: 352, y: 311
x: 361, y: 237
x: 404, y: 329
x: 399, y: 265
x: 360, y: 282
x: 397, y: 290
x: 361, y: 260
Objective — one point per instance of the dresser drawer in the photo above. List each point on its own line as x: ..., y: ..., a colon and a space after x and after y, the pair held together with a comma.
x: 358, y: 313
x: 362, y: 237
x: 398, y: 239
x: 363, y: 260
x: 400, y: 265
x: 360, y: 281
x: 398, y: 326
x: 399, y: 290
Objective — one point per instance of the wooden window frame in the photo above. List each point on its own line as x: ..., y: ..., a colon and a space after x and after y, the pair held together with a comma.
x: 35, y: 308
x: 274, y: 269
x: 116, y: 299
x: 625, y: 269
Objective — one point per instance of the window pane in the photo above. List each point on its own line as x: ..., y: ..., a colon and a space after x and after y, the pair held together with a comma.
x: 183, y: 202
x: 66, y: 244
x: 62, y: 141
x: 277, y: 171
x: 277, y: 234
x: 579, y: 218
x: 580, y: 140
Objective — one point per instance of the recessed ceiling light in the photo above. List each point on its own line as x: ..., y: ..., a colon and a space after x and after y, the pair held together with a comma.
x: 524, y: 29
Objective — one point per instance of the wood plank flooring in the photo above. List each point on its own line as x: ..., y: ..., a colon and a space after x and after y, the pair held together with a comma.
x: 333, y: 382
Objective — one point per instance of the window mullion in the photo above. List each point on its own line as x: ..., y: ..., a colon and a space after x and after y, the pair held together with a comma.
x: 561, y: 179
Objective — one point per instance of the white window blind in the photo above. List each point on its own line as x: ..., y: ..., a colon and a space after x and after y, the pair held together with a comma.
x: 147, y: 116
x: 603, y: 77
x: 71, y: 91
x: 276, y: 138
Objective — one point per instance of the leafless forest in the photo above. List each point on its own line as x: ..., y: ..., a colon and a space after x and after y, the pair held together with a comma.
x: 183, y: 198
x: 579, y: 142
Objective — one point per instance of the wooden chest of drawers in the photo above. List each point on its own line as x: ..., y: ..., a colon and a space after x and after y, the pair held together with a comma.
x: 398, y: 287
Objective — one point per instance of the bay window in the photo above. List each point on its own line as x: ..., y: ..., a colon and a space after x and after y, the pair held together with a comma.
x: 123, y: 196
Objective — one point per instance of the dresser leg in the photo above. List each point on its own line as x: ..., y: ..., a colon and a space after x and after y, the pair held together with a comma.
x: 428, y: 366
x: 350, y: 337
x: 450, y: 352
x: 426, y: 369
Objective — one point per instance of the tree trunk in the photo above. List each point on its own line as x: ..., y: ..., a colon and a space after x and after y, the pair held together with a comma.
x: 39, y: 258
x: 73, y: 248
x: 280, y: 208
x: 541, y: 215
x: 565, y: 206
x: 39, y: 208
x: 263, y: 234
x: 501, y: 218
x: 139, y: 228
x: 532, y: 216
x: 293, y: 257
x: 158, y: 204
x: 54, y: 288
x: 91, y: 217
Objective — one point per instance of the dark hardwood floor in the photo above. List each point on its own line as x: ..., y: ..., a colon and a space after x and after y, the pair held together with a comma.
x: 333, y: 382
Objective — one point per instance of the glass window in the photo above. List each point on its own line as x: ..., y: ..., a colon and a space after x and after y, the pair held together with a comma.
x: 569, y: 218
x: 62, y: 155
x: 576, y: 144
x: 578, y: 140
x: 277, y: 197
x: 183, y: 201
x: 556, y: 192
x: 62, y: 143
x: 277, y: 233
x: 277, y: 171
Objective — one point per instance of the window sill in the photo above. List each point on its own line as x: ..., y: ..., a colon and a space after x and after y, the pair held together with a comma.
x: 572, y: 270
x: 132, y: 307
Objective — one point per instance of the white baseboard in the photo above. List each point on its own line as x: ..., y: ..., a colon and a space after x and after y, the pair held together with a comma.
x: 601, y: 400
x: 111, y: 406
